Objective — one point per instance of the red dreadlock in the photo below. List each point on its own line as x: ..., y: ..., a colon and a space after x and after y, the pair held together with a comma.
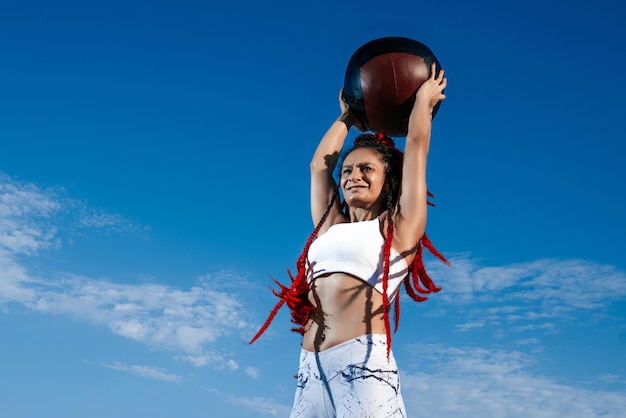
x: 386, y: 259
x: 411, y: 281
x: 296, y: 295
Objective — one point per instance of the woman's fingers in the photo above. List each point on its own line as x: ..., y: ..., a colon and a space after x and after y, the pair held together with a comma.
x: 444, y: 82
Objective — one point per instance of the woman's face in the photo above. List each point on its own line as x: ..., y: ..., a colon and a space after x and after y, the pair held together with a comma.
x: 363, y: 178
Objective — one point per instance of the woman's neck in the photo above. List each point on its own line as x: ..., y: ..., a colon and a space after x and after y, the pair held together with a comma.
x: 361, y: 214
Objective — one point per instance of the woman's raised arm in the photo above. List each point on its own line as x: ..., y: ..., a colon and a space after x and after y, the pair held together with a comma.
x: 324, y: 161
x: 410, y: 219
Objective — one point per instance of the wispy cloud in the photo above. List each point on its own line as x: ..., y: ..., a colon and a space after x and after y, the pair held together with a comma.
x: 150, y: 372
x: 475, y: 382
x: 32, y: 217
x: 159, y: 315
x: 183, y: 320
x: 25, y: 217
x: 525, y: 296
x: 88, y: 217
x: 192, y: 322
x: 253, y: 372
x: 259, y: 406
x: 571, y: 284
x: 530, y: 295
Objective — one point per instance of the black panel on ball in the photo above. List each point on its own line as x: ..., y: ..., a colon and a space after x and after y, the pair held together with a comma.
x: 353, y: 93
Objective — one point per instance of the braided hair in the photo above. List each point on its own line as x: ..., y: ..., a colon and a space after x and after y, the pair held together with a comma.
x: 417, y: 283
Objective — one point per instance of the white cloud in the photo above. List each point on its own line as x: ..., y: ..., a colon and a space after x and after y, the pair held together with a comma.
x: 30, y: 217
x: 612, y: 378
x: 475, y: 383
x: 253, y: 372
x: 460, y: 382
x: 108, y: 223
x: 203, y: 359
x: 574, y: 283
x: 530, y: 295
x: 184, y: 320
x: 260, y: 406
x: 158, y: 315
x: 527, y: 341
x: 25, y: 213
x: 150, y: 372
x: 470, y: 325
x: 12, y: 279
x: 232, y: 365
x: 24, y: 199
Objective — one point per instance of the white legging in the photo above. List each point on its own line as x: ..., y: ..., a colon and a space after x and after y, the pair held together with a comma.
x: 352, y: 379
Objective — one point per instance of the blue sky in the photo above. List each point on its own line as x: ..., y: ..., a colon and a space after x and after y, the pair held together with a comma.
x: 154, y: 175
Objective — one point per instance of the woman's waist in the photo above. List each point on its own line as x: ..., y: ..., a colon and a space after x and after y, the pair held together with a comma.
x: 339, y: 344
x: 331, y: 330
x: 339, y: 282
x: 338, y: 292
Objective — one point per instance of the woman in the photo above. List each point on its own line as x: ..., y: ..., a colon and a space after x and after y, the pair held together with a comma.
x: 354, y: 261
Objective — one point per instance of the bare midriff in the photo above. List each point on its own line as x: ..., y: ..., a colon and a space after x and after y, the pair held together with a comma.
x: 347, y: 307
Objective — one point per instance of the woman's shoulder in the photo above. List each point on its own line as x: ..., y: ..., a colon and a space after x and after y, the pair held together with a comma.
x: 339, y: 219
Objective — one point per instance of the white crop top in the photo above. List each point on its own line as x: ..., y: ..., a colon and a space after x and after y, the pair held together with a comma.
x: 356, y: 248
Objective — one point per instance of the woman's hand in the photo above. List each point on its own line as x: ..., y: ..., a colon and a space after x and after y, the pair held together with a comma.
x: 343, y: 106
x: 347, y: 115
x: 431, y: 91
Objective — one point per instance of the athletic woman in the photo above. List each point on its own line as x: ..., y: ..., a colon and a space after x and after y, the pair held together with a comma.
x: 358, y: 255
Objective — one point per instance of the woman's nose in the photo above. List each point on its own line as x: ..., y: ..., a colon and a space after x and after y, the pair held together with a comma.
x: 355, y: 175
